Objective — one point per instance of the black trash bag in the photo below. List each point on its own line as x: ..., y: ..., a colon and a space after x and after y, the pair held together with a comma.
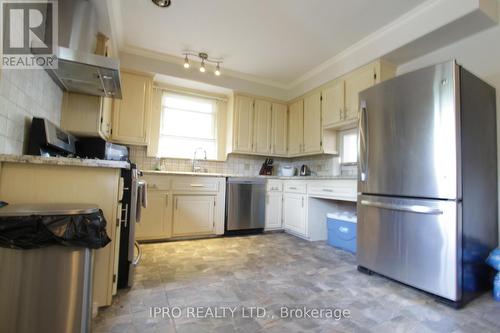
x: 29, y: 232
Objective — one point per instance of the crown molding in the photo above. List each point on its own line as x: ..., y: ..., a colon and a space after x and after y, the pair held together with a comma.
x: 365, y: 41
x: 180, y: 60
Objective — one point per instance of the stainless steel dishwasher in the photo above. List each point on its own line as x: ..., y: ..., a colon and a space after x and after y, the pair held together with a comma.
x: 245, y: 205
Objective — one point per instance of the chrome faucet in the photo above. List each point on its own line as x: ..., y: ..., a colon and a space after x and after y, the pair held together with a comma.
x: 196, y: 167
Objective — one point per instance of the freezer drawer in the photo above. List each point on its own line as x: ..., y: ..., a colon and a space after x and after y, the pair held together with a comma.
x: 412, y: 241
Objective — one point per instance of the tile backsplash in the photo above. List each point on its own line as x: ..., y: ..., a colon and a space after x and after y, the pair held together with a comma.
x: 25, y: 94
x: 244, y: 165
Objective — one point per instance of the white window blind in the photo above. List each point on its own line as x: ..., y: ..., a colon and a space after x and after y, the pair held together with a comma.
x: 349, y: 148
x: 187, y: 123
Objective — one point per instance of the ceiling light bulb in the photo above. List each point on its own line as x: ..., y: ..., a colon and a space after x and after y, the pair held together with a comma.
x: 202, y: 67
x: 186, y: 62
x: 217, y: 70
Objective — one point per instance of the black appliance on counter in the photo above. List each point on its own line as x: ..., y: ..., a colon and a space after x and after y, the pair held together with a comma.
x: 46, y: 139
x: 101, y: 149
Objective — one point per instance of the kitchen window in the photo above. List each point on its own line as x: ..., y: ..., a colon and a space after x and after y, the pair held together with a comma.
x: 349, y: 146
x: 187, y: 123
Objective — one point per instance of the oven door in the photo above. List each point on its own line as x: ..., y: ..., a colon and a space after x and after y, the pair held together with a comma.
x: 412, y: 241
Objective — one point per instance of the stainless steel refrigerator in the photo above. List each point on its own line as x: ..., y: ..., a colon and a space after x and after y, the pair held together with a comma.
x: 427, y: 181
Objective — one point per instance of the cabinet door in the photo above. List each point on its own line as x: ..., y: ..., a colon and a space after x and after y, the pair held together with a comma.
x: 274, y: 209
x: 356, y: 82
x: 106, y: 112
x: 296, y: 128
x: 243, y: 124
x: 154, y: 222
x: 332, y: 103
x: 193, y: 214
x: 131, y: 114
x: 312, y: 123
x: 262, y: 127
x: 279, y: 129
x: 294, y: 213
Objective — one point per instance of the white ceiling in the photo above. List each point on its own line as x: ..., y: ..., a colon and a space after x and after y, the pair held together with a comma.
x: 277, y: 40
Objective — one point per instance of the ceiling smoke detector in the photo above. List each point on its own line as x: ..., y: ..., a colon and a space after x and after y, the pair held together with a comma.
x: 162, y: 3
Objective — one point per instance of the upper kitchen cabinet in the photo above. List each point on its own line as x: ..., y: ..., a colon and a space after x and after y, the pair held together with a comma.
x: 85, y: 115
x: 243, y: 124
x: 279, y: 129
x: 258, y: 126
x: 333, y: 103
x: 340, y: 102
x: 312, y: 124
x: 131, y: 114
x: 296, y: 128
x: 262, y: 127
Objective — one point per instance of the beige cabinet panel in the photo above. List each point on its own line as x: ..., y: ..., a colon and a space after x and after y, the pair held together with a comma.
x: 193, y: 214
x: 262, y: 127
x: 312, y: 123
x: 296, y: 128
x: 294, y: 213
x: 356, y: 82
x: 274, y: 210
x: 155, y: 220
x: 131, y: 114
x: 279, y: 129
x: 243, y: 124
x: 332, y: 103
x: 46, y: 184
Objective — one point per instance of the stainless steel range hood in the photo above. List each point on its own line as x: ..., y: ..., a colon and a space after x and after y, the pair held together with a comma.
x: 79, y: 69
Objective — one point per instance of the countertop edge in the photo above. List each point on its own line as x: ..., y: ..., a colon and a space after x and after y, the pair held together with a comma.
x: 63, y: 161
x: 221, y: 175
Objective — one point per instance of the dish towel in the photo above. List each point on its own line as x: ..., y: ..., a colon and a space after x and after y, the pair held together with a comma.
x: 142, y: 198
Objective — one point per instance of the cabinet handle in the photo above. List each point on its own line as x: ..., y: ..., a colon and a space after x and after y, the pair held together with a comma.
x: 292, y: 188
x: 176, y: 203
x: 153, y: 186
x: 267, y: 199
x: 327, y: 190
x: 166, y: 200
x: 197, y: 185
x: 302, y: 202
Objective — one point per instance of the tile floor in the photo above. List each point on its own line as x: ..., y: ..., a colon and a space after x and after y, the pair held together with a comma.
x: 271, y: 271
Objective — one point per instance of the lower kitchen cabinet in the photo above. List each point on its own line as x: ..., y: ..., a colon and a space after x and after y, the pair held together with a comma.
x: 274, y: 211
x: 294, y: 213
x: 193, y: 214
x: 156, y: 220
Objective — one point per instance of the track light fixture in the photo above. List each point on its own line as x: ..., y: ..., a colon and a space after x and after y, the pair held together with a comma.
x: 204, y: 60
x: 162, y: 3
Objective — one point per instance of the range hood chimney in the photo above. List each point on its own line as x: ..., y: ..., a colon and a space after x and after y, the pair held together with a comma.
x: 79, y: 68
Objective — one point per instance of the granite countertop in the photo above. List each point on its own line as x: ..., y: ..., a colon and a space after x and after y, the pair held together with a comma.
x: 64, y: 161
x: 203, y: 174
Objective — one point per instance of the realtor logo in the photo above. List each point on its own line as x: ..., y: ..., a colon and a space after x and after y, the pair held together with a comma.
x: 29, y: 34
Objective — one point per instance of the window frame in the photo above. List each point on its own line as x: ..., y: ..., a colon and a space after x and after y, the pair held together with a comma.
x: 342, y: 134
x: 214, y: 115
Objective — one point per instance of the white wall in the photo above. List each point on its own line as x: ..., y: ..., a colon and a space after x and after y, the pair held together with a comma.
x: 24, y: 94
x: 480, y: 54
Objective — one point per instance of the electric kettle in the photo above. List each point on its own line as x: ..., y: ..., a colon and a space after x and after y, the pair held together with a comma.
x: 304, y: 170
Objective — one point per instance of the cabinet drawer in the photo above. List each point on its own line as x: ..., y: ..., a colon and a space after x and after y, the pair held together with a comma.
x: 157, y: 182
x: 338, y: 189
x: 195, y: 184
x: 274, y: 186
x: 295, y: 187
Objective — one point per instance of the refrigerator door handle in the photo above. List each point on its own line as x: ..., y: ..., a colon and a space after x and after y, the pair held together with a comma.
x: 362, y: 142
x: 419, y: 209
